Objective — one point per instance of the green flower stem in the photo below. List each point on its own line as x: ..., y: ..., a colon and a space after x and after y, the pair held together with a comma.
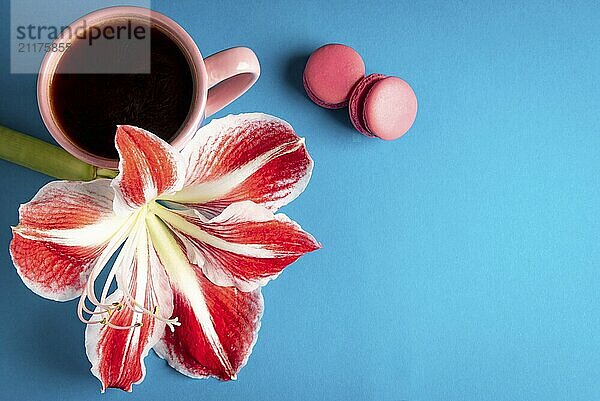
x: 46, y: 158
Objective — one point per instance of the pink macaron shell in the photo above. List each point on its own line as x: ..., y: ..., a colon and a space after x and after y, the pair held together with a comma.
x: 315, y: 99
x: 390, y: 108
x: 357, y: 99
x: 330, y: 74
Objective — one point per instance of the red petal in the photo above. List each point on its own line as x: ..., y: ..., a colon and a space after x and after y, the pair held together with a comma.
x: 244, y: 157
x: 62, y: 205
x: 117, y: 354
x: 148, y: 167
x: 60, y: 235
x: 52, y: 271
x: 120, y: 353
x: 245, y: 246
x: 219, y: 326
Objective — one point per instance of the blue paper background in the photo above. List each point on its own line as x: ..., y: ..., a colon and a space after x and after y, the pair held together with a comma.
x: 460, y: 262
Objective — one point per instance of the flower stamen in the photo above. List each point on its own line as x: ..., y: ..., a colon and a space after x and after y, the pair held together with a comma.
x: 133, y: 304
x: 89, y: 294
x: 108, y: 310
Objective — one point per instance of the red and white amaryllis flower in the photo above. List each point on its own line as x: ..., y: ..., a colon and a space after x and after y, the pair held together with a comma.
x: 199, y: 238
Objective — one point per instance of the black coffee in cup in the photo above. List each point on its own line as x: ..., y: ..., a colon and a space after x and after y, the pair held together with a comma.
x: 89, y: 106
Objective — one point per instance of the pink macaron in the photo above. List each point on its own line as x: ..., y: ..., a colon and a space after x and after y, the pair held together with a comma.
x: 357, y: 101
x: 390, y: 108
x: 331, y: 73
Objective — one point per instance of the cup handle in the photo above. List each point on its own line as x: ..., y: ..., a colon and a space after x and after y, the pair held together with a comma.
x: 231, y: 72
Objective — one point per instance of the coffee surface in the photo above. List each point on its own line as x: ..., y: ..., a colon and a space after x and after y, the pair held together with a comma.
x: 88, y: 107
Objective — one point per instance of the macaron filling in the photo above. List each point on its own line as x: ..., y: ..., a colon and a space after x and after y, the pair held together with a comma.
x: 318, y: 101
x: 357, y: 99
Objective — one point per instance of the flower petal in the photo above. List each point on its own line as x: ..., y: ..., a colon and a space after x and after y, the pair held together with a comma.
x: 219, y: 325
x: 245, y: 246
x: 117, y: 354
x: 244, y: 157
x: 61, y: 234
x: 148, y: 168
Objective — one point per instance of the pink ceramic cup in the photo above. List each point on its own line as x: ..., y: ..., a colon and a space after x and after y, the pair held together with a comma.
x: 218, y: 79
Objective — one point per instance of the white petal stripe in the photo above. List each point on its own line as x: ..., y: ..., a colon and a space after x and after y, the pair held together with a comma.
x: 183, y: 278
x: 90, y: 235
x: 181, y: 224
x: 208, y: 191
